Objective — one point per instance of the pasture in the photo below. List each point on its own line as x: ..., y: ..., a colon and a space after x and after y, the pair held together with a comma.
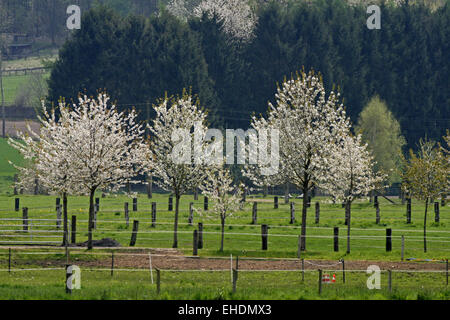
x: 207, y: 275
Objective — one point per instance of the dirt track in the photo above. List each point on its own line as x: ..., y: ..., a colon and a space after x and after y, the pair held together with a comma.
x: 174, y: 260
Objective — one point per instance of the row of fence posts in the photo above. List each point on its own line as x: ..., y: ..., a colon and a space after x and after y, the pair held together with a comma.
x: 235, y: 274
x: 264, y: 228
x: 254, y: 209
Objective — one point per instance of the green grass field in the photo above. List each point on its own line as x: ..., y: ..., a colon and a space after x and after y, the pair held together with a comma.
x: 7, y: 171
x: 13, y: 83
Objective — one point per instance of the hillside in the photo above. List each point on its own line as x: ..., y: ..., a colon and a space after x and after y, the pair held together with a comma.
x: 7, y: 171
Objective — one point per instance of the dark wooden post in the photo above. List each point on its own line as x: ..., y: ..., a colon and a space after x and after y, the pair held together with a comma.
x: 388, y: 239
x: 112, y: 263
x: 97, y: 204
x: 275, y: 202
x: 336, y: 239
x: 36, y: 187
x: 196, y: 194
x: 16, y: 179
x: 317, y: 212
x: 309, y: 202
x: 254, y: 212
x: 443, y: 200
x: 170, y: 208
x: 235, y: 276
x: 377, y: 208
x: 134, y: 233
x: 58, y: 217
x: 127, y: 214
x: 74, y: 230
x: 408, y: 211
x: 446, y: 270
x: 320, y: 281
x: 205, y: 203
x: 57, y: 203
x: 292, y: 213
x: 200, y: 235
x: 153, y: 214
x: 343, y: 270
x: 195, y: 243
x: 158, y: 281
x: 264, y: 235
x: 25, y: 218
x: 436, y: 212
x: 299, y: 247
x: 17, y: 204
x: 191, y: 213
x: 135, y: 204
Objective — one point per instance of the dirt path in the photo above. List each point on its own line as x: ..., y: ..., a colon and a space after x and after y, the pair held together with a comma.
x: 172, y: 259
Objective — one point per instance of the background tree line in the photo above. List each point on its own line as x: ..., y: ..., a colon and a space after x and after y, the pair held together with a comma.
x: 138, y: 59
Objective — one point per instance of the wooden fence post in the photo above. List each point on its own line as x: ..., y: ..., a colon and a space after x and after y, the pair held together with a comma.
x: 388, y: 239
x: 336, y: 239
x: 25, y: 218
x: 134, y: 233
x: 17, y: 204
x: 377, y: 208
x: 308, y: 204
x: 299, y: 247
x: 57, y: 203
x: 446, y: 270
x: 191, y: 213
x: 158, y: 281
x: 58, y: 217
x: 320, y: 281
x: 97, y: 204
x: 205, y: 203
x: 74, y: 230
x: 235, y: 276
x: 127, y: 214
x: 292, y: 213
x: 317, y: 212
x: 112, y: 263
x: 195, y: 243
x: 16, y: 179
x: 153, y: 214
x: 264, y: 235
x: 408, y: 211
x: 200, y: 235
x: 135, y: 204
x: 443, y: 200
x: 436, y: 212
x: 275, y: 202
x: 343, y: 270
x: 254, y: 212
x: 170, y: 205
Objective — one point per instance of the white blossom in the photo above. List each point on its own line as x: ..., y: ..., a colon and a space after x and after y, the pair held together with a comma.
x: 225, y: 198
x: 237, y: 16
x: 173, y: 117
